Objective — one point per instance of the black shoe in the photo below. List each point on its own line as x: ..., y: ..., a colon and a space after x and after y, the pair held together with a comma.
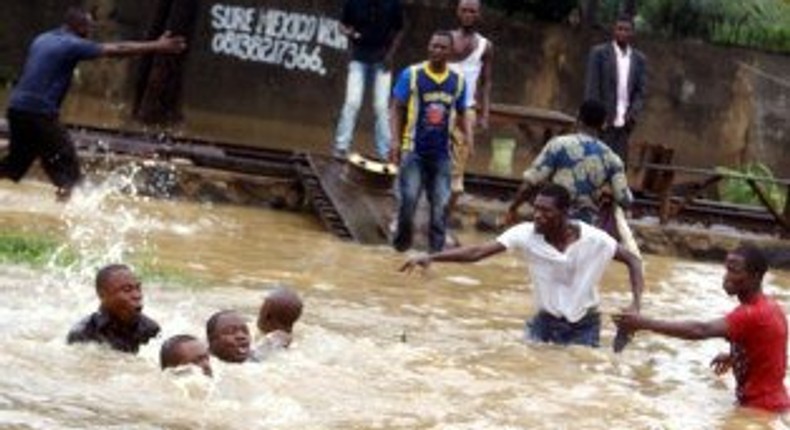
x: 340, y: 154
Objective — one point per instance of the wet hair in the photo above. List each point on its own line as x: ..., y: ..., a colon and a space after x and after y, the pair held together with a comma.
x: 167, y: 353
x: 592, y: 113
x: 211, y: 324
x: 105, y: 273
x: 754, y: 258
x: 286, y: 307
x: 561, y: 196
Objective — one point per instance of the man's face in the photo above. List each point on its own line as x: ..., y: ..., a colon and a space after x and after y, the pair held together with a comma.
x: 468, y: 13
x: 193, y: 352
x: 547, y: 217
x: 623, y: 32
x: 439, y: 49
x: 84, y: 27
x: 122, y: 297
x: 231, y: 339
x: 737, y: 279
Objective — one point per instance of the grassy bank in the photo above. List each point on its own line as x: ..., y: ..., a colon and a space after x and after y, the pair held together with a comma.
x: 37, y: 250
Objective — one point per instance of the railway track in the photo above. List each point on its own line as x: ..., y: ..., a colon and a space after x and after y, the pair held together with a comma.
x: 273, y: 162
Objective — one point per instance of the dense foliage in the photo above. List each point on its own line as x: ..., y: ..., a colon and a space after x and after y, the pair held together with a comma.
x: 763, y: 24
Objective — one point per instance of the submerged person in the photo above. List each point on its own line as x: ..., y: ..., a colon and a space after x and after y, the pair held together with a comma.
x: 277, y: 316
x: 229, y: 337
x: 184, y: 350
x: 34, y: 104
x: 756, y: 330
x: 566, y: 260
x: 119, y: 322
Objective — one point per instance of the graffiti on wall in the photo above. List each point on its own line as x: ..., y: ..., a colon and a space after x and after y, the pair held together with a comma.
x: 292, y: 40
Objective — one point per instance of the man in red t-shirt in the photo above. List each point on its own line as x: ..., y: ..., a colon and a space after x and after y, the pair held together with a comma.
x: 756, y: 330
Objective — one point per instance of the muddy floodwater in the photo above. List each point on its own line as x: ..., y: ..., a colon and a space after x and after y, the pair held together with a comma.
x: 375, y: 349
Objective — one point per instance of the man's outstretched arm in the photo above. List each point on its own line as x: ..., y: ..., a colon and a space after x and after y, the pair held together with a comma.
x: 635, y: 275
x: 166, y: 44
x: 689, y: 330
x: 466, y: 254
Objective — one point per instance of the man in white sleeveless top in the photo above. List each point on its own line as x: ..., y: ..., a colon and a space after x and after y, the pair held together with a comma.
x: 473, y: 56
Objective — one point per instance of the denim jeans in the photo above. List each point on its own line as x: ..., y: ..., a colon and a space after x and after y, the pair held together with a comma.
x: 415, y: 175
x: 545, y: 327
x: 360, y: 76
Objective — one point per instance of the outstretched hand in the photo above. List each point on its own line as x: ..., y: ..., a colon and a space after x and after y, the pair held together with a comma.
x: 170, y: 44
x: 422, y: 260
x: 628, y: 320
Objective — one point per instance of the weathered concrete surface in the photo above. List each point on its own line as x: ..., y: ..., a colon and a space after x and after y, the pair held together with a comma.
x: 714, y: 105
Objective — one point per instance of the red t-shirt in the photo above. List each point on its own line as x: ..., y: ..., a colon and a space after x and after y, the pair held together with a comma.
x: 757, y: 332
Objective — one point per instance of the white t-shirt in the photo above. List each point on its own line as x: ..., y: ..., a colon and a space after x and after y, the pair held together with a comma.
x: 623, y: 74
x: 565, y: 283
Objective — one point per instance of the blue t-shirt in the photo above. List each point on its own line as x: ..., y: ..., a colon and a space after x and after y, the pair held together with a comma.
x: 48, y: 70
x: 432, y: 100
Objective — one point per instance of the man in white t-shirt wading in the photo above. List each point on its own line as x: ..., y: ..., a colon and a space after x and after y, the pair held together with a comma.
x: 566, y: 260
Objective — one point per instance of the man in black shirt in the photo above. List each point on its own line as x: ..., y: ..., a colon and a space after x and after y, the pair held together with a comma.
x: 374, y: 28
x: 119, y: 322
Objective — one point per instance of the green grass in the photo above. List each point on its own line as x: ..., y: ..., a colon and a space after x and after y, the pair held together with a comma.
x: 37, y: 251
x: 32, y: 249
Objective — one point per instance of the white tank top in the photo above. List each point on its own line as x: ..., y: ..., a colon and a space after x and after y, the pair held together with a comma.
x: 470, y: 67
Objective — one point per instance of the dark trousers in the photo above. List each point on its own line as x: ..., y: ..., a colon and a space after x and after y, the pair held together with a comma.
x: 545, y: 327
x: 617, y: 139
x: 36, y: 136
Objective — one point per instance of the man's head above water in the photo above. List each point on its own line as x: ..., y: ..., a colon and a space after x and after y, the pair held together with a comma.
x: 120, y: 293
x: 228, y: 336
x: 183, y: 350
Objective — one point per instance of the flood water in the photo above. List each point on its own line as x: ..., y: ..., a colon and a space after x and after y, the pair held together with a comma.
x: 375, y: 349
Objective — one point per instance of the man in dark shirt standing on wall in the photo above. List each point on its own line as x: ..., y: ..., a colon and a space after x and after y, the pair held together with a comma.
x: 35, y: 101
x: 119, y: 322
x: 374, y: 28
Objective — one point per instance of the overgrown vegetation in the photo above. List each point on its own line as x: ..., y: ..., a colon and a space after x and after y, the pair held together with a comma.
x: 738, y: 190
x: 762, y: 24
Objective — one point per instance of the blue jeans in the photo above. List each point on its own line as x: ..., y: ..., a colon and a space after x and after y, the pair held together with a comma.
x: 415, y: 175
x: 360, y: 76
x: 545, y: 327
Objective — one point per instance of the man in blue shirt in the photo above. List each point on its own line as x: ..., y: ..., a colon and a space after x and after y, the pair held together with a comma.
x: 429, y: 96
x: 35, y: 101
x: 374, y: 28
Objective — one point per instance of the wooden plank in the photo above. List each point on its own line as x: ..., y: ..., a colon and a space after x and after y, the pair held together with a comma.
x: 767, y: 203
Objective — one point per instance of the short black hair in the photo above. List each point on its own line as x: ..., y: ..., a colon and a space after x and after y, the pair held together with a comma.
x: 561, y: 196
x: 624, y: 17
x: 444, y: 33
x: 592, y: 113
x: 75, y: 15
x: 104, y: 274
x: 211, y: 324
x: 167, y: 351
x: 753, y: 257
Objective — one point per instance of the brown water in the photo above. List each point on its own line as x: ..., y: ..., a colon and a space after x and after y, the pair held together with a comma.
x: 375, y: 349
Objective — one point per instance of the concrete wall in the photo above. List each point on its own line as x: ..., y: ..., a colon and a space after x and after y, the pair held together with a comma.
x: 714, y: 105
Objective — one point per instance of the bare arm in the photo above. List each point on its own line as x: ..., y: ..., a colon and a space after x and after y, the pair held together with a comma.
x: 526, y: 191
x: 466, y: 254
x: 397, y: 113
x: 166, y: 44
x: 689, y: 330
x: 635, y: 275
x: 485, y: 86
